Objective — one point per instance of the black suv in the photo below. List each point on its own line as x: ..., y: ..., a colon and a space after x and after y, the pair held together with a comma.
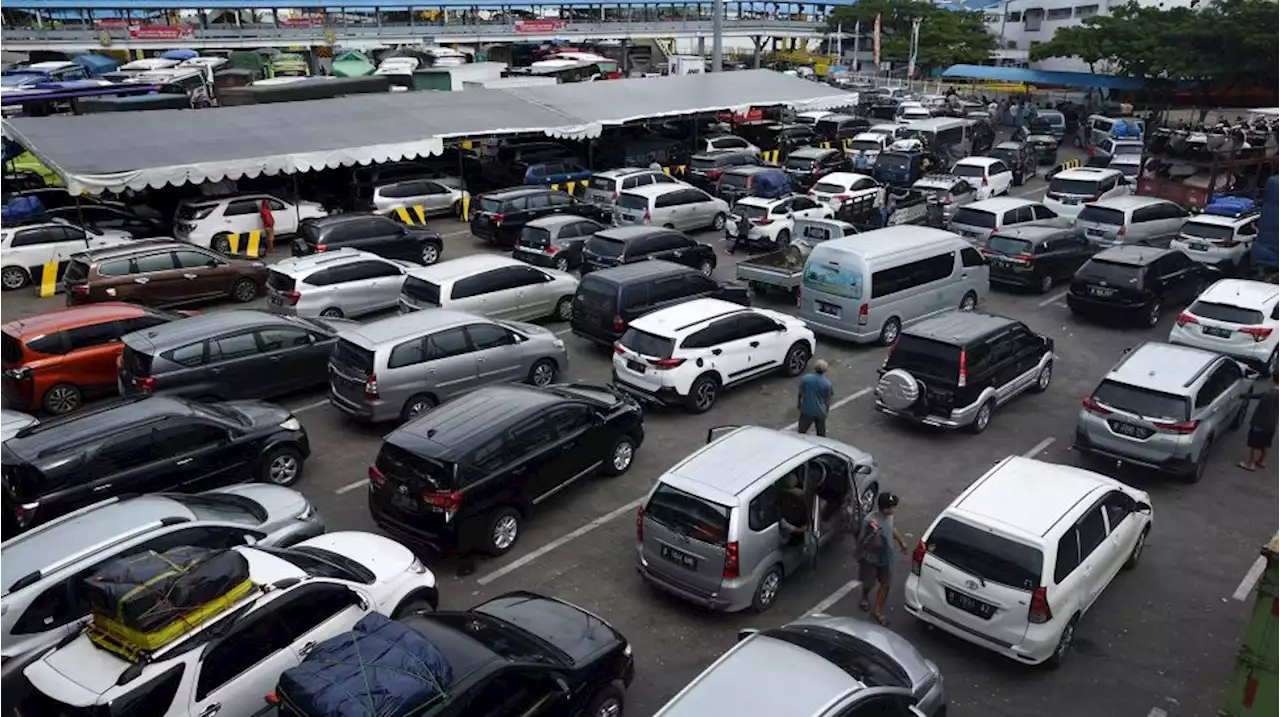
x: 461, y: 477
x: 144, y: 445
x: 608, y: 300
x: 705, y: 169
x: 629, y: 244
x: 373, y: 233
x: 1019, y: 157
x: 953, y: 370
x: 498, y: 217
x: 1137, y: 283
x: 807, y: 165
x: 1036, y: 254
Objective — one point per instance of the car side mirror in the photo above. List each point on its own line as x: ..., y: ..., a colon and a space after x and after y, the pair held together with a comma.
x: 744, y: 634
x: 562, y: 685
x: 862, y: 470
x: 250, y: 539
x: 1252, y: 374
x: 1144, y: 508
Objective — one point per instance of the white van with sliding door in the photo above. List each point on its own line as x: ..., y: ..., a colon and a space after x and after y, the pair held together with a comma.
x: 865, y: 288
x: 1018, y: 559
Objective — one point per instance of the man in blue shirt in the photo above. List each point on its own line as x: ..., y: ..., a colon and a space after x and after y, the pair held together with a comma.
x: 814, y: 400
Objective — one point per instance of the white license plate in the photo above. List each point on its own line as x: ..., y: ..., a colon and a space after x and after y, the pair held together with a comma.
x: 635, y: 366
x: 1215, y: 331
x: 828, y: 309
x: 1197, y: 246
x: 1093, y: 232
x: 1071, y: 201
x: 277, y: 301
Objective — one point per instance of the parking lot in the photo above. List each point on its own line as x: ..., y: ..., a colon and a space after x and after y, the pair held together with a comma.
x: 1161, y: 640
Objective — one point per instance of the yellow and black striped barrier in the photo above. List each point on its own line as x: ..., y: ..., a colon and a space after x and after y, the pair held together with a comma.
x: 411, y: 216
x: 1069, y: 164
x: 770, y: 156
x: 465, y: 206
x: 676, y: 170
x: 48, y: 274
x: 569, y: 186
x: 252, y: 243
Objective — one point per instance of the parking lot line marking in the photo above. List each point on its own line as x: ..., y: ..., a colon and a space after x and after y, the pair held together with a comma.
x: 834, y: 597
x: 1038, y: 448
x: 1157, y: 712
x: 309, y: 406
x: 530, y: 557
x: 461, y: 232
x: 352, y: 486
x: 1250, y: 579
x: 837, y: 404
x: 562, y: 332
x: 1050, y: 300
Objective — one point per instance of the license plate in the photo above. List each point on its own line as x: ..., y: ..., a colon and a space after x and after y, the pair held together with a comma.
x: 1197, y: 246
x: 1093, y: 232
x: 1215, y: 331
x: 277, y: 301
x: 1101, y: 291
x: 1130, y: 430
x: 1072, y: 201
x: 635, y: 366
x: 828, y: 309
x: 404, y: 502
x: 679, y: 557
x: 969, y: 604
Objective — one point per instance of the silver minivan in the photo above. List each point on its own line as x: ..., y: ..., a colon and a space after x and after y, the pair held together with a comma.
x: 442, y: 196
x: 1131, y: 219
x: 712, y: 529
x: 342, y: 282
x: 604, y: 187
x: 499, y: 287
x: 400, y: 366
x: 979, y: 220
x: 866, y: 287
x: 675, y: 206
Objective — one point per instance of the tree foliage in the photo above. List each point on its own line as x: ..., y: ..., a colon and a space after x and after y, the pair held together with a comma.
x: 946, y: 37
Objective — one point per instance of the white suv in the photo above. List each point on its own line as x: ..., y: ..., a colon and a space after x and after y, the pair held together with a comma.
x: 685, y: 354
x: 1019, y: 557
x: 1236, y: 318
x: 227, y: 666
x: 26, y: 248
x: 772, y: 220
x: 1224, y: 242
x: 1072, y: 189
x: 206, y: 222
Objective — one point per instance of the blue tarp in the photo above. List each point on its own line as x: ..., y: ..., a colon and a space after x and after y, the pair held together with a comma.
x: 96, y: 65
x: 1042, y: 77
x: 179, y: 54
x: 1266, y: 249
x: 382, y: 667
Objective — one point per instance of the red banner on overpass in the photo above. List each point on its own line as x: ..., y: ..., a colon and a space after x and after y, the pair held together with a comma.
x: 538, y: 27
x: 161, y: 32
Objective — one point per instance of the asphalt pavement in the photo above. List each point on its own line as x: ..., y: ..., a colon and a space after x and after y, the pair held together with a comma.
x: 1162, y: 639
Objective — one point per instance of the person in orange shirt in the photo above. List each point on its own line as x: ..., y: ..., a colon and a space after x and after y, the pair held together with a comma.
x: 268, y: 225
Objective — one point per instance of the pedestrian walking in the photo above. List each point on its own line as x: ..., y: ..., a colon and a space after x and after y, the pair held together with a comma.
x: 1262, y: 427
x: 741, y: 234
x: 993, y: 109
x: 875, y: 555
x: 268, y: 224
x: 814, y: 399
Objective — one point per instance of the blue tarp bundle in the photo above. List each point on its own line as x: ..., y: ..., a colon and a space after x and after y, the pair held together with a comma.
x: 96, y: 65
x: 771, y: 184
x: 21, y: 208
x: 179, y: 54
x: 1267, y: 247
x: 382, y: 668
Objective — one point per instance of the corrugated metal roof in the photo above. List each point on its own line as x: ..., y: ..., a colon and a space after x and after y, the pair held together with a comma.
x: 1042, y: 77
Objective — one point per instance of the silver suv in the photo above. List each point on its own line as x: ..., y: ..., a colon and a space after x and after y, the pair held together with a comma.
x: 1164, y: 407
x: 41, y: 569
x: 344, y: 282
x: 604, y: 187
x: 1147, y: 221
x: 711, y: 530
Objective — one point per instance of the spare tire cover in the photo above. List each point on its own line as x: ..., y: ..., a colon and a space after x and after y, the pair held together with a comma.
x: 898, y: 390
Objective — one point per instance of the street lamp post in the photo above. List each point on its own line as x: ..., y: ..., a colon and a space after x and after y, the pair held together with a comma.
x: 717, y: 35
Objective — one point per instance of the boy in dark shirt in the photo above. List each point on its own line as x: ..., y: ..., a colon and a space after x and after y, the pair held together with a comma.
x: 1262, y: 427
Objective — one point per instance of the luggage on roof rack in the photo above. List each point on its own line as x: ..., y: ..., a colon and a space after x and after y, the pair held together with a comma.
x: 1224, y: 206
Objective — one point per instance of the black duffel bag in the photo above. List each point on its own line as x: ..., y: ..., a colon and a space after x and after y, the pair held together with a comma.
x: 151, y: 590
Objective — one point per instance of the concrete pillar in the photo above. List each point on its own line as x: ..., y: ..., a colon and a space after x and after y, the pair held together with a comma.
x: 757, y: 43
x: 702, y: 46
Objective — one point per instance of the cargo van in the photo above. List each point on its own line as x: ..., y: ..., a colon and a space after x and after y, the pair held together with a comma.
x: 866, y: 287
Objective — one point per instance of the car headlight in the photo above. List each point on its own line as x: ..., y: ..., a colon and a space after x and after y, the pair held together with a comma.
x: 291, y: 424
x: 558, y: 343
x: 417, y: 568
x: 307, y: 513
x: 627, y: 650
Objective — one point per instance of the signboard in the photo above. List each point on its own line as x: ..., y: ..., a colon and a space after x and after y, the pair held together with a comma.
x: 301, y: 21
x: 539, y: 27
x: 161, y: 32
x: 115, y: 23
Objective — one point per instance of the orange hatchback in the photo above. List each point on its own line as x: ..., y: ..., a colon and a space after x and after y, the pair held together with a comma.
x: 53, y: 361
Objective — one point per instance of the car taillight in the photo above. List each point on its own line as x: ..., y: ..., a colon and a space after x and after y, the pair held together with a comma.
x: 25, y: 513
x: 647, y: 218
x: 147, y: 384
x: 640, y: 524
x: 1090, y: 199
x: 1120, y: 234
x: 666, y: 363
x: 1091, y: 150
x: 617, y: 347
x: 322, y: 247
x: 964, y: 372
x: 1184, y: 318
x: 948, y: 199
x: 843, y: 197
x: 618, y: 323
x: 448, y: 502
x: 371, y: 386
x: 80, y: 289
x: 1226, y: 243
x: 616, y: 195
x: 1024, y: 258
x: 917, y: 557
x: 714, y: 173
x: 1093, y: 406
x: 499, y: 218
x: 764, y: 222
x: 864, y: 312
x: 376, y: 478
x: 984, y: 181
x: 553, y: 249
x: 1039, y: 612
x: 1052, y: 195
x: 1181, y: 427
x: 731, y: 561
x: 293, y: 297
x: 1259, y: 333
x: 816, y: 170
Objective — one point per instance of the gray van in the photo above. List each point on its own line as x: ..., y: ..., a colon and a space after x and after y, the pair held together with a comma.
x: 500, y: 287
x: 604, y: 188
x: 1131, y: 219
x: 866, y: 287
x: 677, y: 206
x: 979, y: 220
x: 711, y: 529
x: 399, y: 367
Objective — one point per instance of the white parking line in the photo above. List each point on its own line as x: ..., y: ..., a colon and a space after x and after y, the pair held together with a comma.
x: 529, y: 558
x: 562, y: 332
x: 309, y: 406
x: 837, y: 404
x: 352, y: 486
x: 1027, y: 192
x: 1038, y: 448
x: 1051, y: 299
x: 460, y: 232
x: 834, y: 598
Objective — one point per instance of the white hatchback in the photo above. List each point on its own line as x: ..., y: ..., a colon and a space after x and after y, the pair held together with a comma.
x: 686, y: 354
x: 837, y: 188
x: 1224, y: 242
x: 1236, y: 318
x: 1023, y: 553
x: 991, y: 176
x: 773, y: 220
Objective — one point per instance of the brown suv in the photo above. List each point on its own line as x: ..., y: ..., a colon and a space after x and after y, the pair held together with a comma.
x: 53, y: 360
x: 161, y: 273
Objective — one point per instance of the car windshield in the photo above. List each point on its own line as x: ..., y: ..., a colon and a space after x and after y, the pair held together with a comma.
x: 280, y: 282
x: 490, y: 205
x: 605, y: 246
x: 647, y: 344
x: 1141, y: 401
x: 1127, y: 148
x: 926, y: 356
x: 223, y: 507
x: 1101, y: 215
x: 1226, y: 313
x: 192, y: 212
x: 864, y: 145
x: 350, y: 355
x: 421, y: 290
x: 985, y: 555
x: 969, y: 170
x: 970, y: 217
x: 799, y: 163
x: 828, y: 188
x: 687, y: 514
x: 1202, y: 230
x: 750, y: 211
x: 702, y: 163
x: 323, y: 563
x: 604, y: 184
x: 1081, y: 187
x: 1008, y: 245
x: 1010, y: 156
x: 737, y: 181
x: 632, y: 201
x: 508, y: 641
x: 893, y: 160
x: 18, y: 79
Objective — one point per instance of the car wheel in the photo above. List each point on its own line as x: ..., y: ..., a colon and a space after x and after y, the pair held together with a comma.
x: 416, y: 406
x: 784, y: 239
x: 1197, y: 471
x: 332, y: 312
x: 1271, y: 363
x: 61, y: 399
x: 621, y: 456
x: 668, y: 226
x: 244, y: 291
x: 767, y: 589
x: 718, y: 222
x: 14, y: 277
x: 562, y: 264
x: 1065, y: 638
x: 1136, y: 553
x: 504, y: 531
x: 796, y: 360
x: 1153, y: 314
x: 969, y: 302
x: 1043, y: 378
x: 889, y: 332
x: 564, y: 308
x: 608, y: 702
x: 702, y: 394
x: 221, y: 244
x: 1046, y: 284
x: 706, y: 267
x: 543, y: 373
x: 430, y: 254
x: 412, y: 606
x: 456, y: 210
x: 281, y: 466
x: 983, y: 419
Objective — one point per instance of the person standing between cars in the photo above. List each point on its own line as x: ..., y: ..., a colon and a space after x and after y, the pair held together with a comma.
x: 1262, y: 427
x: 742, y: 235
x: 268, y: 225
x: 814, y: 400
x: 875, y: 555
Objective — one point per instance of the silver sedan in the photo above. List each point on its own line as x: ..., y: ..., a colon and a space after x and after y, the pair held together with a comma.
x: 435, y: 196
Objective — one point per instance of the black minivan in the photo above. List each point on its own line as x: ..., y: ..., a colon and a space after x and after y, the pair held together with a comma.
x: 608, y: 300
x: 463, y: 477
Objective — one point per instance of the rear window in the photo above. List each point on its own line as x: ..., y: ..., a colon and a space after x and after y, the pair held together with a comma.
x: 986, y: 555
x: 1101, y: 215
x: 491, y: 205
x: 1226, y: 312
x: 893, y: 160
x: 604, y: 184
x: 1127, y: 149
x: 1203, y: 231
x: 422, y: 473
x: 192, y: 212
x: 604, y: 246
x: 137, y: 363
x: 632, y: 201
x: 925, y: 356
x: 750, y: 211
x: 1008, y: 245
x: 535, y: 237
x: 969, y: 170
x: 737, y: 181
x: 1113, y: 273
x: 596, y: 294
x: 1144, y: 402
x: 689, y: 515
x: 974, y: 218
x: 828, y: 188
x: 702, y: 163
x: 798, y: 163
x: 647, y: 344
x: 1082, y: 187
x: 280, y: 282
x: 421, y: 290
x: 865, y: 145
x: 10, y: 348
x: 348, y: 354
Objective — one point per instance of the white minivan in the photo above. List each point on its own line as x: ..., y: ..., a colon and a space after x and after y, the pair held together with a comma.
x: 1023, y: 553
x: 865, y: 288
